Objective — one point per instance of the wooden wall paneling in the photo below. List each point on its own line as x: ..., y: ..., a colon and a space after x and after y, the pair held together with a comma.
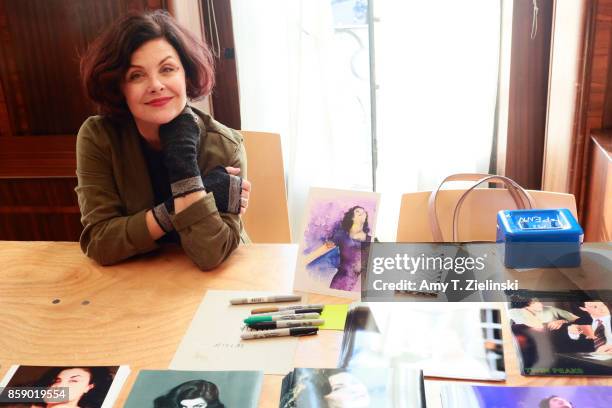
x: 598, y: 200
x: 593, y: 96
x: 529, y: 71
x: 565, y: 87
x: 5, y: 127
x: 42, y: 107
x: 39, y: 209
x: 225, y: 96
x: 603, y: 53
x: 41, y: 63
x: 38, y: 156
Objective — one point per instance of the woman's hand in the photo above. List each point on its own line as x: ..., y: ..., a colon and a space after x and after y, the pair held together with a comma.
x: 329, y: 245
x: 556, y: 324
x: 574, y: 330
x: 246, y: 189
x: 606, y: 348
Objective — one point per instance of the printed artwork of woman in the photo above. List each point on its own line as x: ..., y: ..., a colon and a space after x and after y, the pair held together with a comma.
x: 348, y: 236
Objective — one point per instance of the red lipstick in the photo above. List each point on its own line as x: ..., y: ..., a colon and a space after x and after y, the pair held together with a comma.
x: 157, y: 102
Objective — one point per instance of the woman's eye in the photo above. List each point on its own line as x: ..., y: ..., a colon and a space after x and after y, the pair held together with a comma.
x: 168, y: 69
x: 134, y: 76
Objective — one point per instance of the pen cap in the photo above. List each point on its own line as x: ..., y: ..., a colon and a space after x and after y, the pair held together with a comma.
x: 263, y: 325
x: 264, y: 310
x: 304, y: 331
x: 257, y: 319
x: 289, y: 312
x: 286, y: 323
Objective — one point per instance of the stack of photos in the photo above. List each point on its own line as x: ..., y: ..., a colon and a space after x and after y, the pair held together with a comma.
x: 338, y: 227
x: 195, y: 389
x: 451, y: 340
x: 74, y: 386
x: 354, y: 388
x: 562, y: 338
x: 475, y: 396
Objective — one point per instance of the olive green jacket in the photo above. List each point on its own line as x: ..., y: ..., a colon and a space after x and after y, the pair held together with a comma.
x: 114, y: 192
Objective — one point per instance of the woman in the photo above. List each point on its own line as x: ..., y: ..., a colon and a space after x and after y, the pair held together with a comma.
x: 533, y: 314
x: 327, y: 388
x: 87, y: 386
x: 151, y: 168
x: 555, y: 402
x: 348, y: 237
x: 347, y: 391
x: 191, y: 394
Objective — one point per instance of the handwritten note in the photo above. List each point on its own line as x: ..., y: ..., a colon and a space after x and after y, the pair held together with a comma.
x: 212, y: 341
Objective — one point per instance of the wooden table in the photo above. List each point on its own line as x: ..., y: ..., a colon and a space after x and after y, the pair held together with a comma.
x: 58, y: 307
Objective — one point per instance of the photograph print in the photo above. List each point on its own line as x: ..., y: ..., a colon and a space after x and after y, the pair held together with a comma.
x: 463, y: 395
x: 562, y: 338
x: 195, y: 389
x: 70, y: 386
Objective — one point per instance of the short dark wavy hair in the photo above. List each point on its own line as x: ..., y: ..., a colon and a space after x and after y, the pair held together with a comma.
x: 193, y: 389
x: 107, y: 59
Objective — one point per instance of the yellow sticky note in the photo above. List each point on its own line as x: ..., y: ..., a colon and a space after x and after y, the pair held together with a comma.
x: 334, y: 316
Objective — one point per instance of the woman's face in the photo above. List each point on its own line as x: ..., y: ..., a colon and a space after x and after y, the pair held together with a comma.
x: 359, y: 216
x: 76, y: 380
x: 154, y: 85
x: 347, y: 391
x: 536, y: 306
x: 558, y: 402
x: 193, y: 403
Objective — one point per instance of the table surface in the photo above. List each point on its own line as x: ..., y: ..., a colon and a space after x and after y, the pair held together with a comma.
x: 57, y: 307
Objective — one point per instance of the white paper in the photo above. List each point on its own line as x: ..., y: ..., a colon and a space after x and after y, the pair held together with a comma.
x: 213, y: 342
x: 122, y: 374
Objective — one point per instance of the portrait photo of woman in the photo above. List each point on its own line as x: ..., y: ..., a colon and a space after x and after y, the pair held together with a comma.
x: 195, y: 389
x: 457, y: 395
x: 87, y: 386
x: 329, y: 388
x: 67, y: 387
x: 343, y: 388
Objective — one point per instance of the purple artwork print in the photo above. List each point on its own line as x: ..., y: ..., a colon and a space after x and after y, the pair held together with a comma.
x: 333, y: 240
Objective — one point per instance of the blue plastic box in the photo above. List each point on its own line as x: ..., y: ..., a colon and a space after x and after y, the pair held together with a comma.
x: 539, y: 238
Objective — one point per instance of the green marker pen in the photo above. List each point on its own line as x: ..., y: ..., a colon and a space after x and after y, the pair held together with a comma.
x: 257, y: 319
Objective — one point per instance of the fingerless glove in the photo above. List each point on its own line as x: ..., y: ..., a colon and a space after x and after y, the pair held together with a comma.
x: 226, y: 189
x: 180, y: 141
x: 161, y: 213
